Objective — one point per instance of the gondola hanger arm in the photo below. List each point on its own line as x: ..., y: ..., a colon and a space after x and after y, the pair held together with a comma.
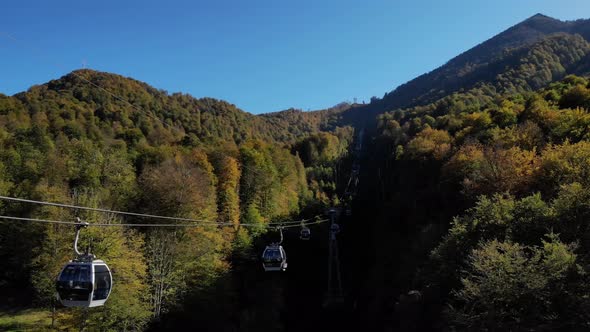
x: 79, y: 225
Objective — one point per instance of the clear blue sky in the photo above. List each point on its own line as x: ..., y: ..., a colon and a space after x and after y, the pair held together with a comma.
x: 263, y: 56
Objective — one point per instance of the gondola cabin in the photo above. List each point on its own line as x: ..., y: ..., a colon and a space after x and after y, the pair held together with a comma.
x: 305, y: 234
x: 348, y: 211
x: 84, y: 284
x: 274, y: 258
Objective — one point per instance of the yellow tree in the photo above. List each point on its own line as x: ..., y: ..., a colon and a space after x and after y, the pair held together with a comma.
x: 564, y: 164
x: 181, y: 187
x: 487, y: 170
x: 429, y: 144
x: 228, y: 200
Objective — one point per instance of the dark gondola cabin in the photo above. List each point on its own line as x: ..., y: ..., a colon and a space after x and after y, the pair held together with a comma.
x: 305, y: 234
x: 274, y: 258
x: 84, y: 284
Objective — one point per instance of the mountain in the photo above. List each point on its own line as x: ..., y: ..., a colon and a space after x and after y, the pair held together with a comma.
x: 296, y: 121
x: 527, y: 56
x: 100, y: 139
x: 132, y: 110
x: 477, y: 172
x: 493, y: 146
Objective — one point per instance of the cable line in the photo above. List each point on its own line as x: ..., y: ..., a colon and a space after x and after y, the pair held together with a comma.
x: 70, y: 206
x: 149, y: 225
x: 143, y: 215
x: 279, y: 223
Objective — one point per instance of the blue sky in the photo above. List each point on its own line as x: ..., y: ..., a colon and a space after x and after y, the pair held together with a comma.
x: 263, y: 56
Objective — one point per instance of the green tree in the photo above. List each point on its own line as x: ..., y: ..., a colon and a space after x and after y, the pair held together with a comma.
x: 510, y: 286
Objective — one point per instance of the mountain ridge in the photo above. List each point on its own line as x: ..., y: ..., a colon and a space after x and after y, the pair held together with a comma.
x: 127, y: 102
x: 526, y: 56
x: 421, y: 90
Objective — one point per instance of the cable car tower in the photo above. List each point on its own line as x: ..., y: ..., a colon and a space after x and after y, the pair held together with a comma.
x: 334, y: 294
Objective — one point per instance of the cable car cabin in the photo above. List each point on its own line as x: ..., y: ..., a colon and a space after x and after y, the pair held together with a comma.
x: 305, y: 234
x: 84, y: 284
x: 274, y: 258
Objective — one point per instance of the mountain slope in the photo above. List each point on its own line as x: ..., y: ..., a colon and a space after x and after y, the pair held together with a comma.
x: 530, y: 55
x: 132, y: 110
x: 525, y: 57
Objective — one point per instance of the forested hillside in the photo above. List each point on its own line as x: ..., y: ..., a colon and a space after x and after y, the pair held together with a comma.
x: 529, y: 55
x: 470, y: 213
x: 473, y: 218
x: 507, y: 177
x: 133, y: 111
x: 100, y: 140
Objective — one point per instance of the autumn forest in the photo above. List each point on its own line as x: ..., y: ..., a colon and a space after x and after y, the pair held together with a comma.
x: 464, y: 208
